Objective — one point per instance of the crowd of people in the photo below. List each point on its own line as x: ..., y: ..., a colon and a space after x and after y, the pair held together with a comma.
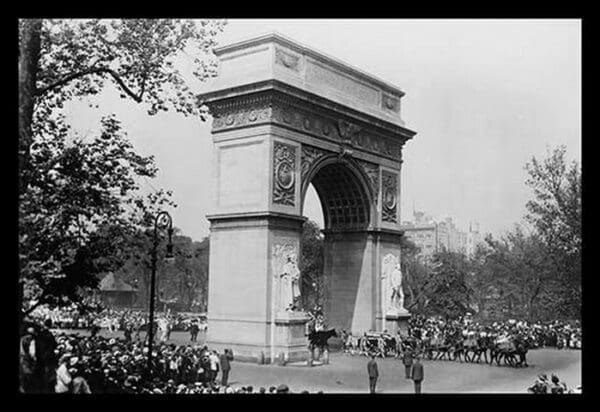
x: 553, y: 386
x: 54, y: 361
x: 557, y: 334
x: 131, y: 322
x: 423, y: 332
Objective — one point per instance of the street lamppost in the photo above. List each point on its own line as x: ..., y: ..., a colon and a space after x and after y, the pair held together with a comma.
x: 168, y: 223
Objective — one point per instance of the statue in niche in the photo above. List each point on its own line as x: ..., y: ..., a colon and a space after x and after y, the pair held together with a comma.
x: 287, y: 277
x: 392, y: 294
x: 290, y: 283
x: 397, y: 298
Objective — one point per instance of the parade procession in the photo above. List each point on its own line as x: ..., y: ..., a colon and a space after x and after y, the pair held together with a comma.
x: 299, y: 206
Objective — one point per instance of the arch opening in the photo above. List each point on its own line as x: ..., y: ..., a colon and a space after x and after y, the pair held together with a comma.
x: 344, y: 201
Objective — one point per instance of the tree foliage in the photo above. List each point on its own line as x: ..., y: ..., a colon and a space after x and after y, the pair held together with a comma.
x: 82, y: 203
x: 311, y: 265
x: 79, y: 199
x: 555, y: 213
x: 447, y: 288
x: 513, y: 276
x: 184, y: 281
x: 537, y: 275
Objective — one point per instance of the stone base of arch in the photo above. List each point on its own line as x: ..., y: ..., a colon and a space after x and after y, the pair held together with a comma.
x: 242, y: 315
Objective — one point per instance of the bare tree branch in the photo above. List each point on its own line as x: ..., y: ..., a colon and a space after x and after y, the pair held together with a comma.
x: 99, y: 70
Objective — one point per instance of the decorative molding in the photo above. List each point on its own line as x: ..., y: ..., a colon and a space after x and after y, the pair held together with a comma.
x: 372, y: 171
x: 309, y: 156
x: 263, y: 108
x: 287, y: 60
x: 389, y: 200
x: 284, y: 174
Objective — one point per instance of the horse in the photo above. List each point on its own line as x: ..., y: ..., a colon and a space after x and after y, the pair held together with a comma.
x: 352, y: 344
x: 318, y: 339
x: 506, y: 350
x: 484, y: 344
x: 470, y: 345
x: 436, y: 348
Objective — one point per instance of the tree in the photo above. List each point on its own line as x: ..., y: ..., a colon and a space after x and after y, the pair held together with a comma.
x: 184, y: 280
x: 555, y: 213
x: 72, y: 192
x: 81, y: 206
x: 414, y: 274
x: 311, y: 265
x: 514, y: 274
x: 447, y: 291
x: 63, y: 59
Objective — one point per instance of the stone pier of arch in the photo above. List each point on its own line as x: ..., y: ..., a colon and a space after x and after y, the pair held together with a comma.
x: 285, y: 116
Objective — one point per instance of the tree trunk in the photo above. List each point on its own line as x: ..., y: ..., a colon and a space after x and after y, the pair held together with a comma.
x: 29, y: 55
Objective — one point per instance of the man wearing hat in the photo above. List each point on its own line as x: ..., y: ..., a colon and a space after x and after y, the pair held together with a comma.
x: 417, y: 374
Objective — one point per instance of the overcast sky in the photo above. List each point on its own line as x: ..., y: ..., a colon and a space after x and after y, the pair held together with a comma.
x: 484, y: 96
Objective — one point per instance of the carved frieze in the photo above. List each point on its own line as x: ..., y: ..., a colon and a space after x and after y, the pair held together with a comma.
x: 269, y: 108
x: 348, y: 132
x: 372, y: 171
x: 284, y: 174
x: 389, y: 191
x: 309, y: 156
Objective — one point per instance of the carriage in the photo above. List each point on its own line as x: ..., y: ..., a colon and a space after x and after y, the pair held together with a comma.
x: 373, y: 343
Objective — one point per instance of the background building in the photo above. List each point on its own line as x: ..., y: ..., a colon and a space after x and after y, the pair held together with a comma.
x: 432, y: 236
x: 473, y: 239
x: 114, y: 292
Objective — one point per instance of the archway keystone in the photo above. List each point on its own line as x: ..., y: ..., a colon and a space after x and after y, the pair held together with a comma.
x: 285, y: 116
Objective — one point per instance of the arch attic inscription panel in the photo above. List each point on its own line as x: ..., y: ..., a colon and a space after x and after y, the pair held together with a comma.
x: 285, y: 116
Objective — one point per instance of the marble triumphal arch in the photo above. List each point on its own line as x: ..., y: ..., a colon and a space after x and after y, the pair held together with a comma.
x: 285, y: 116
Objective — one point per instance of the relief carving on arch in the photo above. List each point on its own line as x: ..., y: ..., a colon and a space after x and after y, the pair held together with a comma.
x: 389, y: 202
x: 309, y: 156
x: 372, y: 171
x: 284, y: 174
x: 265, y: 108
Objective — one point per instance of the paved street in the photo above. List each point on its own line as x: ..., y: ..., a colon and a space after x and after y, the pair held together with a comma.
x: 348, y: 374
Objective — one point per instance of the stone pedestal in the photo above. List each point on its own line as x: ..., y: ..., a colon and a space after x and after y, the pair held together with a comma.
x: 397, y: 321
x: 289, y: 338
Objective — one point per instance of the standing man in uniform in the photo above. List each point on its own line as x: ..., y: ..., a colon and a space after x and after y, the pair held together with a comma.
x: 407, y: 359
x: 417, y: 374
x: 373, y: 373
x: 225, y: 359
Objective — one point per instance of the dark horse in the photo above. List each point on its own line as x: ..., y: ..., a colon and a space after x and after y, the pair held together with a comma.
x: 318, y: 339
